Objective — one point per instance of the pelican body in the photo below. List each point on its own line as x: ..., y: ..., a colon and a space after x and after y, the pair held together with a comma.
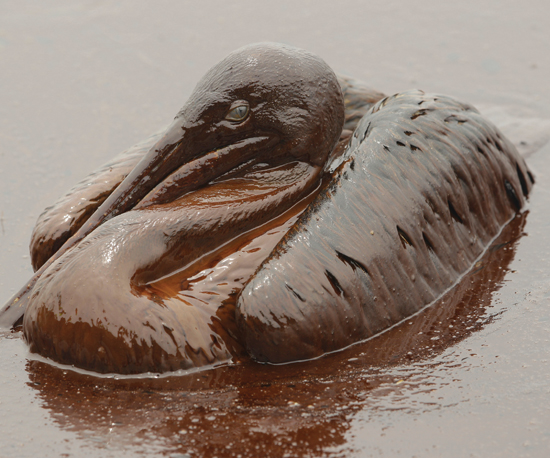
x: 258, y: 223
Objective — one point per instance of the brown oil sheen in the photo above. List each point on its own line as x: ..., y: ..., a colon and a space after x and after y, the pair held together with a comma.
x: 467, y: 376
x: 283, y: 236
x: 425, y: 186
x: 299, y: 409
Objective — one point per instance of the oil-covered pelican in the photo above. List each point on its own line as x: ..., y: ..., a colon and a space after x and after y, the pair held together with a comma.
x: 256, y: 224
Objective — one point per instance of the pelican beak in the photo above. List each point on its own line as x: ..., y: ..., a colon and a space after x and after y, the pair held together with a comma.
x: 180, y: 162
x: 181, y: 156
x: 164, y: 157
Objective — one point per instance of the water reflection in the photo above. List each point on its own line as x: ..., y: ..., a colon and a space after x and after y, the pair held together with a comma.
x: 297, y: 409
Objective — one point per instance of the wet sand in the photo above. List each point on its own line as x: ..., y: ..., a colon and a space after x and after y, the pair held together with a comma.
x: 468, y: 376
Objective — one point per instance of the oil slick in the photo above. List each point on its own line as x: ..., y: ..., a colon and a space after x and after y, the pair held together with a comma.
x: 327, y: 237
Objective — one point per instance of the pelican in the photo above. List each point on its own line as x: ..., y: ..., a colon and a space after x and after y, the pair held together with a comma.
x: 284, y: 213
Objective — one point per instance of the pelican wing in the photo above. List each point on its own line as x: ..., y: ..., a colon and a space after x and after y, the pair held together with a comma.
x: 424, y: 187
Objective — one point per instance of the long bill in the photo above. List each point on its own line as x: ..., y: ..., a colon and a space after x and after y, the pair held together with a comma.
x: 168, y: 155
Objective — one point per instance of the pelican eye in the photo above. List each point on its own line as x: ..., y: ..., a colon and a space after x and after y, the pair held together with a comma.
x: 238, y: 112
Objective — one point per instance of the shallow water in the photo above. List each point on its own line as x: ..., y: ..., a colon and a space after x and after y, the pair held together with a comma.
x: 82, y: 81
